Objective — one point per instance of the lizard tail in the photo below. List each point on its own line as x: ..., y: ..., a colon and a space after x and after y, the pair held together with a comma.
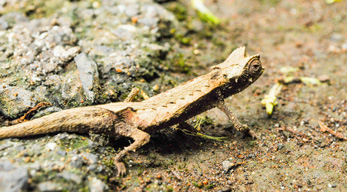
x: 77, y: 120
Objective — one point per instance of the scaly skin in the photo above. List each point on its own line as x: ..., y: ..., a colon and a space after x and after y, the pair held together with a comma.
x: 138, y: 119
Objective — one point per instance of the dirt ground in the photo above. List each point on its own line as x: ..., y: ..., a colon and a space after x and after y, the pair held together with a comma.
x: 292, y: 152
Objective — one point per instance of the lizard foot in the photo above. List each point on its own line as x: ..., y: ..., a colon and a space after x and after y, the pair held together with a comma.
x: 237, y: 125
x: 120, y: 168
x: 245, y: 129
x: 252, y: 134
x: 241, y: 127
x: 140, y: 138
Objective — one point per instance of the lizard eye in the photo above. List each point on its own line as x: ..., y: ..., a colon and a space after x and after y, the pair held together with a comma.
x: 254, y: 67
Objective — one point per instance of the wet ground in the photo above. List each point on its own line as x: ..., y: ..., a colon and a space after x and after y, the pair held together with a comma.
x: 293, y: 150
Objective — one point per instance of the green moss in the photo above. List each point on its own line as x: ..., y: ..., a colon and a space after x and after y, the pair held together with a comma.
x: 169, y: 189
x: 108, y: 162
x: 315, y: 27
x: 197, y: 184
x: 183, y: 39
x: 179, y: 10
x: 270, y: 2
x: 75, y: 143
x: 177, y: 62
x: 209, y: 186
x: 36, y: 8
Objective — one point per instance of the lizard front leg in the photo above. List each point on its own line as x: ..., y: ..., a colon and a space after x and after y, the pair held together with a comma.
x: 238, y: 126
x: 140, y: 138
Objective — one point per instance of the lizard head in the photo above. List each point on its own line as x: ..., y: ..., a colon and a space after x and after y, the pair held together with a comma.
x: 240, y: 70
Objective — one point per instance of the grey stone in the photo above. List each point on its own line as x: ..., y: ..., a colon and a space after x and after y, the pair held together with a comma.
x: 35, y: 166
x: 71, y: 177
x: 49, y: 187
x: 90, y: 158
x: 3, y: 24
x: 71, y: 88
x: 46, y: 111
x: 149, y: 21
x: 76, y: 161
x: 88, y: 74
x: 132, y: 10
x: 96, y: 185
x: 14, y: 17
x: 61, y: 153
x: 5, y: 144
x: 102, y: 50
x: 12, y: 178
x: 227, y: 165
x: 336, y: 37
x: 66, y: 54
x: 43, y: 48
x: 16, y: 100
x: 92, y: 167
x: 125, y: 31
x: 61, y: 136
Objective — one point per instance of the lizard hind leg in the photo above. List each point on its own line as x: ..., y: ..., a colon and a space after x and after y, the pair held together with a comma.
x: 140, y: 138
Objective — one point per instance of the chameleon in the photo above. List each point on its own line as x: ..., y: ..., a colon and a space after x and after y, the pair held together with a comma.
x: 138, y: 120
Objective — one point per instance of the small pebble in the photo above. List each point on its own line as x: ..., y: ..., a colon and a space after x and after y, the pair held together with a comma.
x: 51, y: 146
x: 227, y: 165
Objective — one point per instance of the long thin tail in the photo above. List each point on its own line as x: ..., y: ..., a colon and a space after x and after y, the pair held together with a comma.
x: 78, y: 120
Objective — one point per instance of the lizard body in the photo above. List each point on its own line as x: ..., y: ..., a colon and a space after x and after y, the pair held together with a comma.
x: 138, y: 119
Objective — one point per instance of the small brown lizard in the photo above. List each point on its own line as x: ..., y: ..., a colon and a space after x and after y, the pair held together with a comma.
x: 138, y: 119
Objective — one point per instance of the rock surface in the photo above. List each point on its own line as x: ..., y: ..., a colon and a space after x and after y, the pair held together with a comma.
x: 82, y: 54
x: 13, y: 178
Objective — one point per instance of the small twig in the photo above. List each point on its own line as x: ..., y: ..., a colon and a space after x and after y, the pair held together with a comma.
x: 132, y: 94
x: 197, y: 134
x: 25, y: 116
x: 324, y: 128
x: 37, y: 107
x: 178, y: 177
x: 295, y: 132
x: 144, y: 95
x: 292, y: 131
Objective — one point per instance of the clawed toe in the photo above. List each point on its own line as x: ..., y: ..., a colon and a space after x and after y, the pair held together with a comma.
x: 245, y: 127
x: 252, y: 134
x: 241, y: 127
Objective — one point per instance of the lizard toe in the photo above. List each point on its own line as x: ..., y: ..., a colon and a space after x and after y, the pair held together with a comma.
x: 252, y: 134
